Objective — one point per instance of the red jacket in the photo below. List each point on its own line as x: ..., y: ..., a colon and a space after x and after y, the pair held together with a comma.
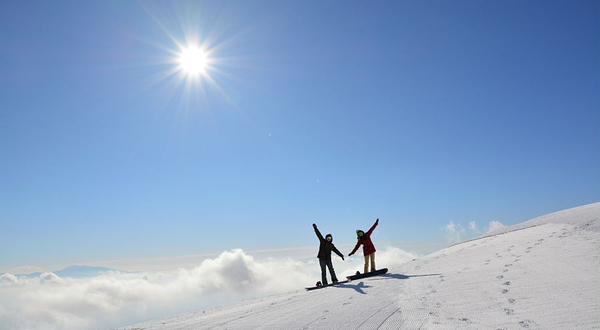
x: 365, y: 240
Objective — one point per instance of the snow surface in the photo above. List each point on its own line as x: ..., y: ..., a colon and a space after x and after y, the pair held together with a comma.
x: 540, y: 274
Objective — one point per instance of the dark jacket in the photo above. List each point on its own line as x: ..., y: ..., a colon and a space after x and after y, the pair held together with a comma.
x: 365, y: 240
x: 326, y: 247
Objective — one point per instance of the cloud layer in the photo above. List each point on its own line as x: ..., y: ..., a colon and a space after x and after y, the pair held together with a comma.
x: 494, y: 225
x: 115, y: 299
x: 456, y: 233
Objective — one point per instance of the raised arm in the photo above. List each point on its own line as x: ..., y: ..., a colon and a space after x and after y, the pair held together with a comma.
x: 318, y: 232
x: 373, y: 227
x: 356, y: 247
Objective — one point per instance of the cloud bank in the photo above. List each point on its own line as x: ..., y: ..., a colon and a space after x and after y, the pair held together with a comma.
x: 117, y: 299
x: 456, y: 233
x: 494, y: 225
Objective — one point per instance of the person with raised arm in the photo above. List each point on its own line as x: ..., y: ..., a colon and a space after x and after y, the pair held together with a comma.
x: 325, y: 248
x: 368, y: 247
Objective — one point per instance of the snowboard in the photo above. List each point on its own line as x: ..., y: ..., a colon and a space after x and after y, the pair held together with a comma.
x: 375, y: 273
x: 324, y: 286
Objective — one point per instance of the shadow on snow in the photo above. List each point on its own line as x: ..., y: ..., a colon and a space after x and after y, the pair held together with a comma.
x: 404, y: 277
x: 399, y: 276
x: 361, y: 285
x: 357, y: 287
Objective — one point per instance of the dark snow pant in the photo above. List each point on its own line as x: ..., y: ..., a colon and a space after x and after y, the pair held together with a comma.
x: 327, y: 263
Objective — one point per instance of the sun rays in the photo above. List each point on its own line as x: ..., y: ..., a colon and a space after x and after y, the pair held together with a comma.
x: 190, y: 67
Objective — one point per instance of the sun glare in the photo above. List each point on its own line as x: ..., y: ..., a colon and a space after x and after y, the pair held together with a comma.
x: 193, y: 61
x: 190, y: 63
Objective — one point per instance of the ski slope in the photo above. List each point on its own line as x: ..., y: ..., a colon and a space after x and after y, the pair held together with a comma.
x: 540, y: 274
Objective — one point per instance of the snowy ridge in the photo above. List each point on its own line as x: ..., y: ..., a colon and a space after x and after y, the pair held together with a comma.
x: 584, y: 217
x: 541, y: 274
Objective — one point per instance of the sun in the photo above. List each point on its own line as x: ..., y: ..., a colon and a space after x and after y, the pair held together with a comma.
x: 193, y: 61
x: 190, y: 65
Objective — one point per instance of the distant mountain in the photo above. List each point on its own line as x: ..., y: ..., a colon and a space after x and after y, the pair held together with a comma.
x: 76, y: 271
x: 83, y: 271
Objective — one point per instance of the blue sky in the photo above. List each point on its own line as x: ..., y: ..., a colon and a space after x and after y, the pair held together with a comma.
x: 416, y: 112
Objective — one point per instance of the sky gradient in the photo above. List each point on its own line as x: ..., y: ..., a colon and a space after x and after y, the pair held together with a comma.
x: 417, y: 113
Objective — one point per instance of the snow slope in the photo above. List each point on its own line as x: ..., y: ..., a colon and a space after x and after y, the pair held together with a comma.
x: 540, y: 274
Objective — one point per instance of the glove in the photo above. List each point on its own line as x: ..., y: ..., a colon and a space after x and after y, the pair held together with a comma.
x: 350, y: 255
x: 377, y: 221
x: 314, y: 225
x: 342, y: 258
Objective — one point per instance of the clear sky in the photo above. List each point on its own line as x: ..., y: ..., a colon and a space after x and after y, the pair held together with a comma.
x: 416, y: 112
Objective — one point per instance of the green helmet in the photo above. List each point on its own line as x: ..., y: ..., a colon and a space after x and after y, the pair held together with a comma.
x: 359, y: 233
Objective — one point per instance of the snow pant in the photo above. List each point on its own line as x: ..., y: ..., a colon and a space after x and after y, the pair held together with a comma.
x: 372, y: 257
x: 327, y: 263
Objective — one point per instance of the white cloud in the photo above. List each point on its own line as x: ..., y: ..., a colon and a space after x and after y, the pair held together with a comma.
x: 473, y: 227
x: 455, y: 233
x: 8, y: 278
x: 494, y: 225
x: 48, y: 277
x: 116, y: 299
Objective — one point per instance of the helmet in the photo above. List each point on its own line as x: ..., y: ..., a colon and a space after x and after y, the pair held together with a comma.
x: 359, y: 233
x: 329, y: 237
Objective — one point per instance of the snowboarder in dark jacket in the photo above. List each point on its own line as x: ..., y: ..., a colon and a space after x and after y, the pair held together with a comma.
x: 324, y: 255
x: 368, y: 247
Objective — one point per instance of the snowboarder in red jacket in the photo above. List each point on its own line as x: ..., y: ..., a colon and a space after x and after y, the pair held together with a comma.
x: 324, y: 255
x: 368, y: 247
